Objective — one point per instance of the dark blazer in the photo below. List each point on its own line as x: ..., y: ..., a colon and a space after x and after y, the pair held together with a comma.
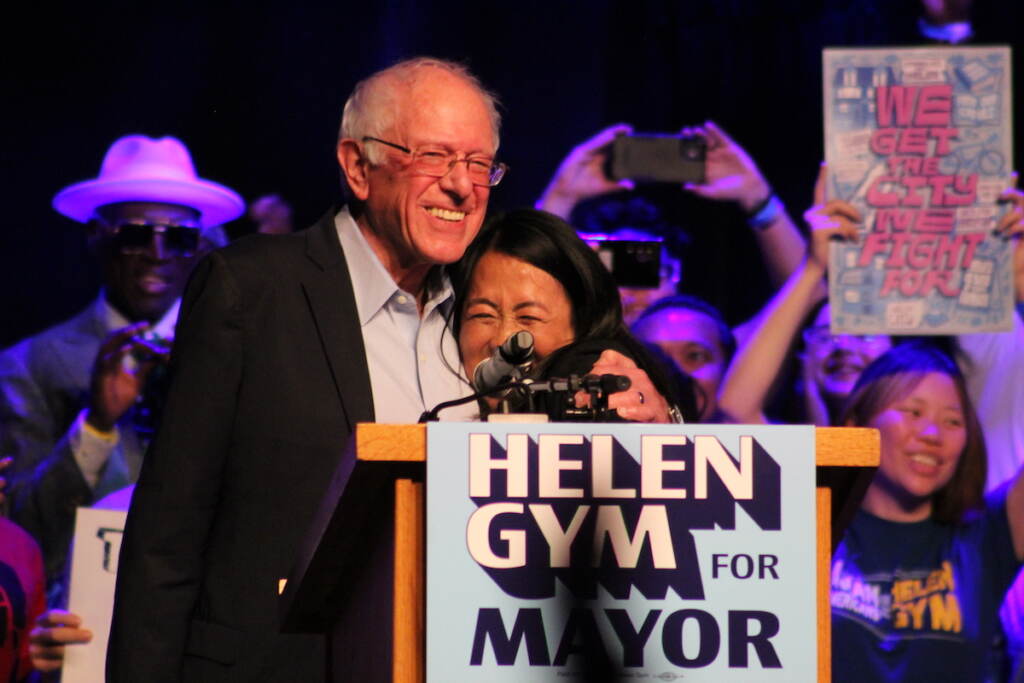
x: 44, y: 384
x: 269, y: 380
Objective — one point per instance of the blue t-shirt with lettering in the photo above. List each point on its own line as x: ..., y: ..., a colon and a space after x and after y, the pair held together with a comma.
x: 920, y: 601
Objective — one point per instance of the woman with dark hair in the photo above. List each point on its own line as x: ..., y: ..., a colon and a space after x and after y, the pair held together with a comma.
x: 529, y: 270
x: 920, y: 573
x: 698, y: 340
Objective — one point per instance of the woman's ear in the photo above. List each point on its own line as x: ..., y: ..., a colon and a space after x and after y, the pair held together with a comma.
x: 355, y: 167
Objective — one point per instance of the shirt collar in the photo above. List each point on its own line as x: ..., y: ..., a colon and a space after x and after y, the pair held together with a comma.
x: 114, y: 320
x: 372, y: 284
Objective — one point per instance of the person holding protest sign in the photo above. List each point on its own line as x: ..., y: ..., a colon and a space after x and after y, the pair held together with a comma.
x: 991, y: 362
x: 832, y: 362
x: 919, y: 576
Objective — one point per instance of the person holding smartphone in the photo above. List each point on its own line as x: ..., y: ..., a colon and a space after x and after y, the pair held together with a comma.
x: 729, y: 175
x: 75, y: 411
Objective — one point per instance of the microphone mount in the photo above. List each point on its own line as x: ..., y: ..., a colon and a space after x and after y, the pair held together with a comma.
x: 597, y: 387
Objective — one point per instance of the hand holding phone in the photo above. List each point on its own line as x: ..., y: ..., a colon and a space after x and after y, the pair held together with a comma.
x: 731, y: 174
x: 582, y: 175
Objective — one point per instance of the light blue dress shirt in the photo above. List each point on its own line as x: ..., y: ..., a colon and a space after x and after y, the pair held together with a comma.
x: 413, y: 360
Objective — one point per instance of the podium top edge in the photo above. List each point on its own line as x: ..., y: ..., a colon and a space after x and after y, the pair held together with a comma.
x: 834, y: 446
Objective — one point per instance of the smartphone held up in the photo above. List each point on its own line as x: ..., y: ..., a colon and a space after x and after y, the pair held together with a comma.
x: 647, y: 158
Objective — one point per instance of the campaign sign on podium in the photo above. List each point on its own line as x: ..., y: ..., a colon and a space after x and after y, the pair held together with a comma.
x: 561, y: 551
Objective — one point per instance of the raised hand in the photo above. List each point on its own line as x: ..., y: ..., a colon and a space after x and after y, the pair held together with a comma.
x: 119, y: 373
x: 581, y: 174
x: 729, y: 172
x: 828, y: 220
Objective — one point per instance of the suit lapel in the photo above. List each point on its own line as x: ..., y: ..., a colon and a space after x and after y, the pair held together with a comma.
x: 74, y: 348
x: 328, y: 290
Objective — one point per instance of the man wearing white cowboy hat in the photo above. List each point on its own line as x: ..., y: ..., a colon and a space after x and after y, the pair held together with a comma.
x: 70, y: 409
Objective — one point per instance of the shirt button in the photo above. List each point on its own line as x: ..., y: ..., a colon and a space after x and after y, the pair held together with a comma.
x: 402, y: 299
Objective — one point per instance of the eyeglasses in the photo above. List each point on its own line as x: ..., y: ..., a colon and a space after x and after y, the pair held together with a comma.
x: 438, y: 162
x: 820, y: 335
x: 136, y: 238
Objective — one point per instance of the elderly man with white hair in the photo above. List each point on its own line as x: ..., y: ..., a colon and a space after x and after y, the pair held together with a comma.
x: 284, y: 344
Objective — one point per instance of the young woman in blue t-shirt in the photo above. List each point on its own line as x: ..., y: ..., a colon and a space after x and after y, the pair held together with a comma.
x: 919, y: 576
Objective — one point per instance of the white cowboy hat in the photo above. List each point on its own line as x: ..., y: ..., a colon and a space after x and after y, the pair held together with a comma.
x: 138, y: 168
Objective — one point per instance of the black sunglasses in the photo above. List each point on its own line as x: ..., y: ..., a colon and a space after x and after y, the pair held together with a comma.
x: 179, y: 240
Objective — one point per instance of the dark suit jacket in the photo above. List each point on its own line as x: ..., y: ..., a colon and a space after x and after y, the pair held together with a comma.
x: 44, y: 383
x: 269, y: 380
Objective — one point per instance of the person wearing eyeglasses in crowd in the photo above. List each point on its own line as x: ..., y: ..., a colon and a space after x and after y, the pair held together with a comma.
x: 71, y: 417
x: 831, y: 363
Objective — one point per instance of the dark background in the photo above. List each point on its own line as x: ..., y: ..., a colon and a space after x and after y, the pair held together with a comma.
x: 255, y: 89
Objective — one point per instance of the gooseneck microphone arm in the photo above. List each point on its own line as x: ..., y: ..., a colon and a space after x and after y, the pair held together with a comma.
x: 599, y: 387
x: 507, y: 369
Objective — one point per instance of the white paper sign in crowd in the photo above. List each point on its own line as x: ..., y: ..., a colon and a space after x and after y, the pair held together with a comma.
x: 919, y: 141
x: 97, y: 547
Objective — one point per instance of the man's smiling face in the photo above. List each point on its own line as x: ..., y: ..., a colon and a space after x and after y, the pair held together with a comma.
x: 420, y: 219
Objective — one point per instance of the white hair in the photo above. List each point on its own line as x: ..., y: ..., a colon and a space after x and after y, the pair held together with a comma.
x: 374, y: 104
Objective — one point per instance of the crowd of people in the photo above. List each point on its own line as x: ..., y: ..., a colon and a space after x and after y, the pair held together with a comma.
x: 208, y: 378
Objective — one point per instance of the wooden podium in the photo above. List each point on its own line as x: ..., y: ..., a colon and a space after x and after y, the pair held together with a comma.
x: 366, y: 584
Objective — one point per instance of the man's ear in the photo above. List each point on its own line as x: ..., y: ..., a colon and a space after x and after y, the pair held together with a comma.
x: 95, y: 230
x: 98, y: 239
x: 355, y: 167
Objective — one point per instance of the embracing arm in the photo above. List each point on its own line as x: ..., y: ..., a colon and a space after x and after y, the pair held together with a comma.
x: 642, y: 402
x: 174, y: 505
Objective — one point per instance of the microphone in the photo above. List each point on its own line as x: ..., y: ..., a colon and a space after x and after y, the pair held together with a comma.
x: 511, y: 360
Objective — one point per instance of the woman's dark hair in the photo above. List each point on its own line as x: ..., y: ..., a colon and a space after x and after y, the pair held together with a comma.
x: 890, y: 378
x: 545, y: 241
